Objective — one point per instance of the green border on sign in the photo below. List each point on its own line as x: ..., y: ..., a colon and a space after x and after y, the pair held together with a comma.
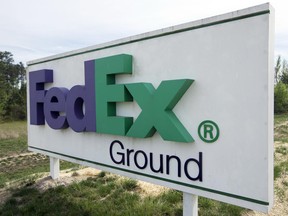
x: 154, y: 36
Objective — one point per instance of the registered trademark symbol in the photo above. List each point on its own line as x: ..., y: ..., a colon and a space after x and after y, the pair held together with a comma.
x: 208, y: 131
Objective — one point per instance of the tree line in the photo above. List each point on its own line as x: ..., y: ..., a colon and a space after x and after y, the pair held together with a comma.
x: 13, y: 87
x: 281, y: 86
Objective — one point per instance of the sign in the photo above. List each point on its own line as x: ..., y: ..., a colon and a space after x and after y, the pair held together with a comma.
x: 188, y: 107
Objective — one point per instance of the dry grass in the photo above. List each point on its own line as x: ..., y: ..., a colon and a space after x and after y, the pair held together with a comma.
x: 10, y: 130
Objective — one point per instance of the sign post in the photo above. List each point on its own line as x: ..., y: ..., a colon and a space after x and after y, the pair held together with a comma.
x: 54, y: 167
x: 188, y: 107
x: 190, y: 204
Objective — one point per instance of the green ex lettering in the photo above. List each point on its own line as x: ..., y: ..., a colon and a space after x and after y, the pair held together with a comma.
x: 156, y: 104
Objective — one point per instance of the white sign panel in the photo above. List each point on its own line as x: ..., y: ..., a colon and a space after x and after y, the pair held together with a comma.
x: 189, y: 107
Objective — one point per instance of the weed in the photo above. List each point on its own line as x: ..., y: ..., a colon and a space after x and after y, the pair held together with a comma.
x: 282, y: 150
x: 75, y: 174
x: 102, y: 174
x: 129, y: 184
x: 285, y: 183
x: 171, y: 196
x: 277, y: 171
x: 208, y: 207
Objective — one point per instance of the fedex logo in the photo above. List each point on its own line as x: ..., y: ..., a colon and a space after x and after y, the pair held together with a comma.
x: 61, y: 108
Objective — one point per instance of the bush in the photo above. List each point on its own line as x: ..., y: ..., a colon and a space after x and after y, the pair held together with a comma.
x: 280, y: 98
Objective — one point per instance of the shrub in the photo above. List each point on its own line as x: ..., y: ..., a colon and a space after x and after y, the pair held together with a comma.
x: 280, y: 98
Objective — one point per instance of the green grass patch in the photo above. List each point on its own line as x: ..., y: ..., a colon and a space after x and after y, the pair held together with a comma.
x: 13, y: 129
x: 105, y: 194
x: 281, y: 133
x: 281, y: 128
x: 209, y: 207
x: 13, y: 146
x: 13, y: 138
x: 279, y: 119
x: 15, y: 167
x: 280, y: 169
x: 22, y: 167
x: 282, y: 150
x: 96, y: 196
x: 277, y: 171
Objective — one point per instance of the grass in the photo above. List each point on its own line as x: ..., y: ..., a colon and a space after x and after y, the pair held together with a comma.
x: 281, y: 165
x: 279, y: 119
x: 282, y: 150
x: 13, y: 138
x: 13, y: 146
x: 102, y: 195
x: 13, y: 165
x: 105, y: 194
x: 280, y: 169
x: 208, y: 207
x: 281, y: 128
x: 281, y: 162
x: 15, y: 169
x: 13, y: 129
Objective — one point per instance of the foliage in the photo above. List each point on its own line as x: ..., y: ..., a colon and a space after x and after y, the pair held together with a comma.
x: 280, y: 98
x: 277, y: 69
x: 281, y: 71
x: 284, y: 72
x: 281, y: 86
x: 12, y: 88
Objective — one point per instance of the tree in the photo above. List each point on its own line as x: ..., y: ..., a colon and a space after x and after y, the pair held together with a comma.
x: 281, y: 71
x: 284, y: 72
x: 277, y: 69
x: 281, y: 86
x: 12, y: 88
x: 280, y: 98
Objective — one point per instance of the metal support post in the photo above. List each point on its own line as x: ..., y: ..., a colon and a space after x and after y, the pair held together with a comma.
x: 54, y: 167
x: 190, y: 204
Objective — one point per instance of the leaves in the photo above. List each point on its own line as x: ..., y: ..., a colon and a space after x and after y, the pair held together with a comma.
x: 281, y: 71
x: 12, y: 88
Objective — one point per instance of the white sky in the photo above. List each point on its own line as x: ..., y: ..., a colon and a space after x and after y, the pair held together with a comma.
x: 33, y: 29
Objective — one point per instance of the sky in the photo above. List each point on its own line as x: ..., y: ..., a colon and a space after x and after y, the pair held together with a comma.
x: 34, y: 29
